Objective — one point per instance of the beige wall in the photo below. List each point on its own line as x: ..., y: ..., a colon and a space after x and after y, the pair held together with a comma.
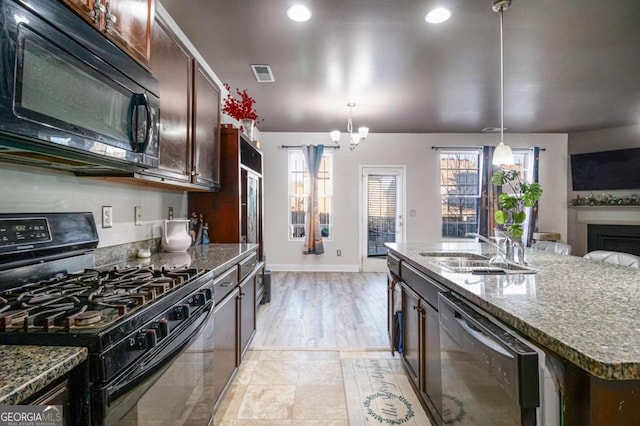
x: 422, y: 189
x: 578, y: 218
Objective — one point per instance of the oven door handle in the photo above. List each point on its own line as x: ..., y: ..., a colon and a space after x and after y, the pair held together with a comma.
x: 161, y: 358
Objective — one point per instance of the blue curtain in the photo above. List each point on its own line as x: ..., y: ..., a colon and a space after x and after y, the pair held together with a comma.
x: 489, y: 193
x: 533, y: 221
x: 313, y: 234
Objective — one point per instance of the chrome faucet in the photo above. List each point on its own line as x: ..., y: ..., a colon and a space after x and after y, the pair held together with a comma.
x: 506, y: 252
x: 501, y: 251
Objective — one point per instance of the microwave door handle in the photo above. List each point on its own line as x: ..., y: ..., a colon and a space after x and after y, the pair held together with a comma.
x: 138, y: 100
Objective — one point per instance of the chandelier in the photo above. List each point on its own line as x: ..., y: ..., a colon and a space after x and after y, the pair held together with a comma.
x: 503, y: 153
x: 354, y: 138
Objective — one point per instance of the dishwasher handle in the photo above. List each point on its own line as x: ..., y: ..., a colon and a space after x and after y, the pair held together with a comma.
x: 479, y: 336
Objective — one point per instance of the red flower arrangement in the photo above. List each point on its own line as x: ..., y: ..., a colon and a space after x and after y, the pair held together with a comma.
x: 240, y: 108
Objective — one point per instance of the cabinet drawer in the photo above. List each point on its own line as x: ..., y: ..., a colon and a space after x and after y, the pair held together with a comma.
x: 224, y: 285
x: 393, y: 263
x: 246, y: 266
x: 427, y: 288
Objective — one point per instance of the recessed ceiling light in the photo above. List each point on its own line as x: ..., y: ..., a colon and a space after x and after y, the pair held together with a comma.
x: 438, y: 15
x: 299, y: 13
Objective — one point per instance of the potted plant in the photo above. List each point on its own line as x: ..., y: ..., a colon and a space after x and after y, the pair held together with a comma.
x: 242, y: 110
x: 512, y: 204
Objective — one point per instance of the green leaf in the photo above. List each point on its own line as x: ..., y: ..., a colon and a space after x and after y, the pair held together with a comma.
x: 519, y: 217
x: 501, y: 217
x: 498, y: 178
x: 507, y: 201
x: 515, y: 230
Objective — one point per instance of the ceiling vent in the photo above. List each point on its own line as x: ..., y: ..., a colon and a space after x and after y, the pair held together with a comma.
x: 263, y: 73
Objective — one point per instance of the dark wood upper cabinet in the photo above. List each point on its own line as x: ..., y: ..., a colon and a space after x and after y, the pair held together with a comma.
x: 206, y: 124
x: 235, y: 212
x: 189, y: 154
x: 172, y: 67
x: 128, y: 23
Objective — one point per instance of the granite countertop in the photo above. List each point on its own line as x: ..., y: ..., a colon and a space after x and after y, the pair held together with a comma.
x: 25, y: 370
x: 585, y: 311
x: 216, y: 257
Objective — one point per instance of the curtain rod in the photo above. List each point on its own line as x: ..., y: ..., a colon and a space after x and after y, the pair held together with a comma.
x: 300, y: 146
x: 453, y: 148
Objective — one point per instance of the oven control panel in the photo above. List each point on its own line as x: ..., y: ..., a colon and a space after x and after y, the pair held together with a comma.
x: 24, y: 230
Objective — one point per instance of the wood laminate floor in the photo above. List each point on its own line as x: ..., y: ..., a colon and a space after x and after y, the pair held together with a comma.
x: 324, y: 310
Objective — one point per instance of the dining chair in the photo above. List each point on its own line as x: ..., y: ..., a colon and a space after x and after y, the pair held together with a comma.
x: 614, y: 257
x: 553, y: 247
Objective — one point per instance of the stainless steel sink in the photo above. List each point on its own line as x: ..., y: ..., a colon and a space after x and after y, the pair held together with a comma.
x: 455, y: 255
x: 482, y: 266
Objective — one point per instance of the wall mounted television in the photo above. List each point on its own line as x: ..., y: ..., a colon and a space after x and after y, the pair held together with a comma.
x: 606, y: 170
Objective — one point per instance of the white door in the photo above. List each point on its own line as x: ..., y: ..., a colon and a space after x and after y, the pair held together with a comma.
x: 381, y: 213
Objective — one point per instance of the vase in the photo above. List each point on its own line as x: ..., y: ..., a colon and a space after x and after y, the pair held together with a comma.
x: 247, y: 127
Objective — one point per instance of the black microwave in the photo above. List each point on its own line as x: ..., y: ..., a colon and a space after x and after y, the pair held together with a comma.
x: 68, y: 96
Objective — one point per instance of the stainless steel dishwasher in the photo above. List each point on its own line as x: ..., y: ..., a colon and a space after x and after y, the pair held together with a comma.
x: 489, y: 376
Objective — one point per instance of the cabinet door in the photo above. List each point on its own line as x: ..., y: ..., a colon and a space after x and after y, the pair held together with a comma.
x: 247, y: 323
x: 224, y: 343
x: 411, y: 333
x: 172, y: 68
x: 85, y: 8
x: 432, y: 377
x: 206, y: 153
x: 129, y: 23
x: 250, y: 200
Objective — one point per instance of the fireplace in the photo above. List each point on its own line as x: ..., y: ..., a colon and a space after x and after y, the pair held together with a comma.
x: 623, y: 238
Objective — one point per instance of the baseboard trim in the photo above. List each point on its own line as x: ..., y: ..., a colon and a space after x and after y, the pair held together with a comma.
x: 313, y: 268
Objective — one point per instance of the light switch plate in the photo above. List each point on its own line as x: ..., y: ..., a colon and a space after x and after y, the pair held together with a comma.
x: 107, y: 216
x: 137, y: 211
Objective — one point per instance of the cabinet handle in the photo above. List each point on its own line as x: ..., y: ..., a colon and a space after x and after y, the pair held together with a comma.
x: 110, y: 19
x: 415, y: 308
x: 242, y: 294
x: 226, y: 284
x: 98, y: 8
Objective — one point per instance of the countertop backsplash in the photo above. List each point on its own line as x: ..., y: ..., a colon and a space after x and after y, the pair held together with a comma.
x: 123, y: 252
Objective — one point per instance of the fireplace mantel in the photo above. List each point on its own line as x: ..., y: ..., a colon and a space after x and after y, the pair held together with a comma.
x: 600, y: 215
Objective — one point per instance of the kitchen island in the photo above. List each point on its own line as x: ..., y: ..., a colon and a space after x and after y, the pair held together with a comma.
x: 583, y: 312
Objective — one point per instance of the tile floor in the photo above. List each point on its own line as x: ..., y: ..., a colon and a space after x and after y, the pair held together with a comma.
x: 289, y: 388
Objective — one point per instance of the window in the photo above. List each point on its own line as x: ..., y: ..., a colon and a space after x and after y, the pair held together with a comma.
x: 299, y: 190
x: 460, y: 173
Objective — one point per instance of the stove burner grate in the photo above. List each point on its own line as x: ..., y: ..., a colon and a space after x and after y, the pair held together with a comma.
x: 88, y: 299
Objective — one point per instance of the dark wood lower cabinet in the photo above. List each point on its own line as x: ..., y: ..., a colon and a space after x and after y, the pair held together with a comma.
x: 421, y: 339
x: 247, y: 313
x: 225, y: 344
x: 412, y: 322
x: 234, y: 321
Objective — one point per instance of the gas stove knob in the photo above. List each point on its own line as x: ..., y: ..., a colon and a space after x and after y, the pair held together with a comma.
x: 208, y: 294
x: 147, y: 339
x: 199, y: 299
x: 181, y: 312
x: 162, y: 328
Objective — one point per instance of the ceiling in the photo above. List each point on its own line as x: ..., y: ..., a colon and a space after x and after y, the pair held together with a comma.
x: 570, y: 65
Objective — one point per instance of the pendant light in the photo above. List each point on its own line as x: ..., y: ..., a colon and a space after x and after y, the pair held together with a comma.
x: 503, y: 153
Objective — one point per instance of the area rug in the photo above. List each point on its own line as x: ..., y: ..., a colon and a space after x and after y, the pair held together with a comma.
x: 378, y: 392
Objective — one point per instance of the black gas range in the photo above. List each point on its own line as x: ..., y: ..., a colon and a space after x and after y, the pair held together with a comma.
x: 134, y: 320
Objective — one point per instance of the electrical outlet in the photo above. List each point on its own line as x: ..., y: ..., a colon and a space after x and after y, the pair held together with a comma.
x: 107, y: 216
x: 339, y: 253
x: 137, y: 214
x: 170, y: 213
